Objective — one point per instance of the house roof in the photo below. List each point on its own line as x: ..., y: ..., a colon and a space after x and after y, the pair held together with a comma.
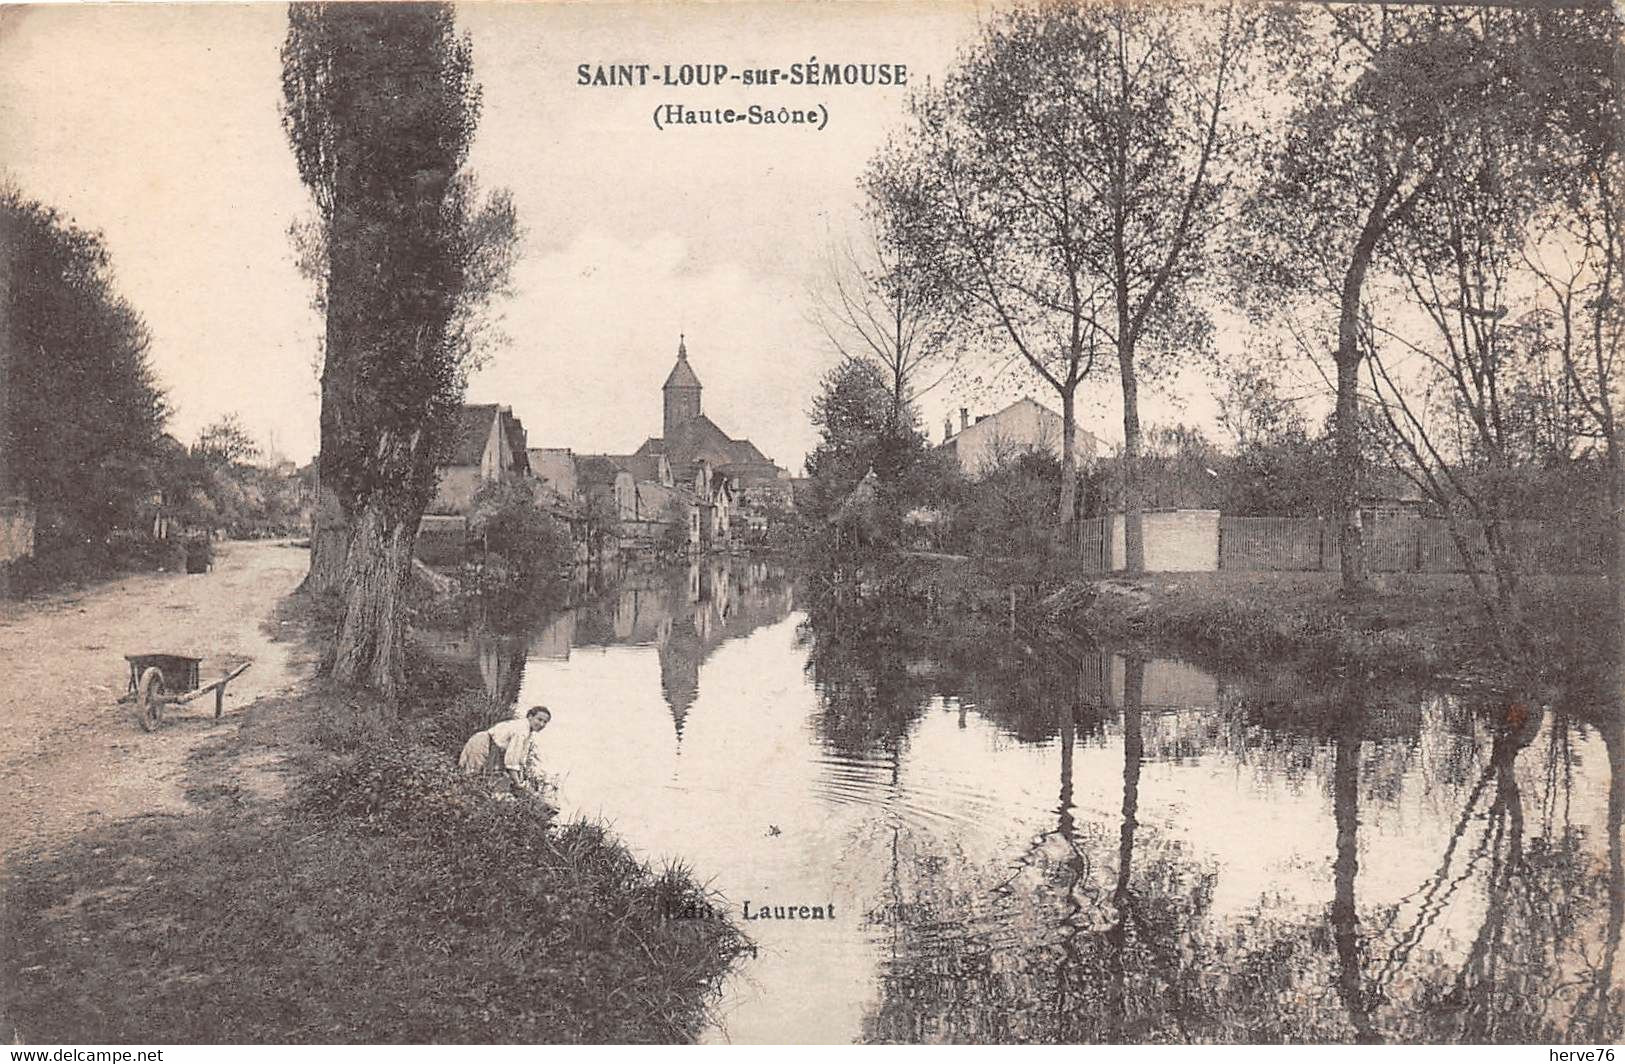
x: 1026, y: 400
x: 641, y: 466
x: 604, y: 467
x: 516, y: 443
x: 699, y: 437
x: 597, y: 469
x: 472, y: 431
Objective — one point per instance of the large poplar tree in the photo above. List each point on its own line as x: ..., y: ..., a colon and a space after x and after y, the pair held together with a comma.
x: 380, y: 106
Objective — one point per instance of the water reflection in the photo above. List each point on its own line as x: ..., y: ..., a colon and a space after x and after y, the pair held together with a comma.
x: 1030, y: 842
x: 683, y: 613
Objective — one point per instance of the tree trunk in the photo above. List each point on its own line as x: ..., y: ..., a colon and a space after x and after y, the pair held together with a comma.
x: 1615, y: 547
x: 1351, y: 541
x: 1133, y: 504
x: 329, y: 544
x: 330, y: 538
x: 1350, y: 536
x: 1069, y: 464
x: 370, y: 647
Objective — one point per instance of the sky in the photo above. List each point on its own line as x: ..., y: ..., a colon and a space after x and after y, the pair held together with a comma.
x: 159, y: 126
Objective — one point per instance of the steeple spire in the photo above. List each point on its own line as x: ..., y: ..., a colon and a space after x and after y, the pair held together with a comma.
x: 681, y: 391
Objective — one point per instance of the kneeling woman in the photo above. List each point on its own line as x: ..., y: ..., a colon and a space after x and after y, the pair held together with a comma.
x: 505, y: 747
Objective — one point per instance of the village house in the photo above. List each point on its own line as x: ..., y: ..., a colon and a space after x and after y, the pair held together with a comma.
x: 488, y: 443
x: 553, y: 472
x: 647, y: 499
x: 600, y: 476
x: 1024, y: 425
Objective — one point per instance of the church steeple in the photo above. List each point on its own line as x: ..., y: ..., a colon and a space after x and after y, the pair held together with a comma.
x: 681, y: 391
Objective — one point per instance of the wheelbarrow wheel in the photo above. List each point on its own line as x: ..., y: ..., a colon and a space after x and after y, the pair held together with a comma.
x: 149, y: 699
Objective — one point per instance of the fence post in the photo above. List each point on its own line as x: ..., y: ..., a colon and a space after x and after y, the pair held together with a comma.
x: 1320, y: 525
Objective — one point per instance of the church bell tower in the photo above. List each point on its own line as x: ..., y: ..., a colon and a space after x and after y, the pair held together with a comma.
x: 681, y: 392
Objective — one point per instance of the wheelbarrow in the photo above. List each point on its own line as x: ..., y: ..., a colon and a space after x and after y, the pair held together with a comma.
x: 159, y: 680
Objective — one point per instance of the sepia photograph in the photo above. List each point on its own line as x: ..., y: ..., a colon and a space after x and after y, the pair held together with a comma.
x: 812, y: 523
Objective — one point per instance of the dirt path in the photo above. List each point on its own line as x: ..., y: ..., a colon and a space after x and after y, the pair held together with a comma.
x: 70, y: 756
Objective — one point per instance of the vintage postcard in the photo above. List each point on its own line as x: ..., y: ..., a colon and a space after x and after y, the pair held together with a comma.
x: 869, y: 522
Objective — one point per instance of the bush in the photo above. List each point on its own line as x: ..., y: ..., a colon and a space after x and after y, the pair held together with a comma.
x: 520, y: 542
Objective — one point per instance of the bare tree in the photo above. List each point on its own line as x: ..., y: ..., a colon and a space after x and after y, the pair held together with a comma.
x: 1489, y: 239
x: 877, y: 303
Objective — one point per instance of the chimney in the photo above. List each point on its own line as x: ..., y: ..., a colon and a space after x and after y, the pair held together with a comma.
x: 947, y: 429
x: 964, y: 418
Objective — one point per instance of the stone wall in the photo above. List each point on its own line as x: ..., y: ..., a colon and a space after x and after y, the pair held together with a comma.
x: 1176, y: 541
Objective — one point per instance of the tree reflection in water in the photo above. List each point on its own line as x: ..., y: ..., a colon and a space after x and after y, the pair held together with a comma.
x: 1105, y: 931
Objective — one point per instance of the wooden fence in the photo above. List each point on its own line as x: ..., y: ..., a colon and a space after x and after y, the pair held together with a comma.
x: 1402, y: 545
x: 1094, y: 543
x: 1392, y: 545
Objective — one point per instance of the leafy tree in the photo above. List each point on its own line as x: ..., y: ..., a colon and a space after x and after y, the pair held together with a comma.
x: 1373, y: 91
x: 602, y: 516
x: 508, y: 523
x: 1072, y: 158
x: 1002, y: 513
x: 858, y: 431
x: 1276, y: 468
x: 81, y: 413
x: 1460, y: 420
x: 1576, y: 251
x: 226, y: 442
x: 380, y: 106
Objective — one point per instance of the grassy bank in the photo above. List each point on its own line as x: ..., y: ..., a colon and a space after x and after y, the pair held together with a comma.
x: 342, y: 882
x: 1411, y: 624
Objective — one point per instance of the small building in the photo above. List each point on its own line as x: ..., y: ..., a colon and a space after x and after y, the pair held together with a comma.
x: 1025, y: 425
x: 600, y: 476
x: 714, y: 497
x: 555, y: 469
x: 488, y: 444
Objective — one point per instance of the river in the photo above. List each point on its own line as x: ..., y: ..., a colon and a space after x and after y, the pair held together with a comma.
x: 975, y: 837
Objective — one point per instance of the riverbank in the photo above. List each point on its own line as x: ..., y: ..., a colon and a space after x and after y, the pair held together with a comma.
x: 335, y: 879
x: 1418, y: 625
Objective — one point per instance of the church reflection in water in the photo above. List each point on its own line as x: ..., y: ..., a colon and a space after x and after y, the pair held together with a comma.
x: 684, y: 613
